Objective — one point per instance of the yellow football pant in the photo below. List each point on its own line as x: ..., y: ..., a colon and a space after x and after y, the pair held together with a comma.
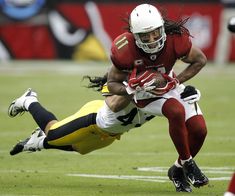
x: 80, y: 130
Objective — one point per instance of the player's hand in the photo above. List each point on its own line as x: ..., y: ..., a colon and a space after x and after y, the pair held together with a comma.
x: 190, y: 94
x: 140, y: 82
x: 129, y: 90
x: 172, y: 82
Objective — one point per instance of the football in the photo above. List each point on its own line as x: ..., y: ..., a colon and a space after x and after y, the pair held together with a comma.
x: 150, y: 78
x: 231, y: 24
x: 160, y: 81
x: 155, y: 82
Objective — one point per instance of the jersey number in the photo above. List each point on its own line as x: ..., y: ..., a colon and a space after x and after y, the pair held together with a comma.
x: 121, y: 42
x: 128, y: 118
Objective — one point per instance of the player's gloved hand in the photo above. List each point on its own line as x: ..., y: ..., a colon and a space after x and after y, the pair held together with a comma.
x: 172, y: 82
x: 190, y: 94
x: 129, y: 90
x: 138, y: 83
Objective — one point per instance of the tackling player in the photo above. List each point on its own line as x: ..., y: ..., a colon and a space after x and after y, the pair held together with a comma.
x: 96, y: 125
x: 154, y: 43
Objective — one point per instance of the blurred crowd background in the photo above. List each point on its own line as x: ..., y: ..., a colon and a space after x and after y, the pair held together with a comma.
x: 84, y: 30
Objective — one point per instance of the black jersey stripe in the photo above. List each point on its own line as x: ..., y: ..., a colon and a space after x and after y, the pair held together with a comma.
x: 72, y: 126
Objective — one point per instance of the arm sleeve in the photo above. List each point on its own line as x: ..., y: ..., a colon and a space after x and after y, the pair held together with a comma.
x: 183, y: 45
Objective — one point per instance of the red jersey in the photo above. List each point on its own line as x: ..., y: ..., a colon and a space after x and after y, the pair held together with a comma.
x: 125, y: 53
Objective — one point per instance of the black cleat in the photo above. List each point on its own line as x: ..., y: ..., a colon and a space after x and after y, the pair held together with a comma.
x: 194, y: 174
x: 30, y: 144
x: 19, y: 147
x: 176, y: 175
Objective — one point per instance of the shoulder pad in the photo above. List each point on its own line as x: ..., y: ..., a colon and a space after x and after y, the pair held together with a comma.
x: 123, y: 51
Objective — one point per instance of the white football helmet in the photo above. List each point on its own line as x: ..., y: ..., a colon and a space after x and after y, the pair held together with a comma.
x: 144, y: 19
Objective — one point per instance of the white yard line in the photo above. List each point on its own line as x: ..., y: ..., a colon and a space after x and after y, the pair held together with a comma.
x: 156, y: 178
x: 123, y: 177
x: 161, y: 179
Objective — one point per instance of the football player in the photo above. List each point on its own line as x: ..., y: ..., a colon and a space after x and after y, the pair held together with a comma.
x: 155, y: 43
x: 96, y: 125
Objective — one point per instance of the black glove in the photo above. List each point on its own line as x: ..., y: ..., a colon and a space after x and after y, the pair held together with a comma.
x: 190, y: 94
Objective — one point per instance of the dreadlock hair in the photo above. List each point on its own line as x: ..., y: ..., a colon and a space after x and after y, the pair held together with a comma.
x: 175, y: 27
x: 96, y: 82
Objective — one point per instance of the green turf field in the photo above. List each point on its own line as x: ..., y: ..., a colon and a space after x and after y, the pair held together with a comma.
x: 135, y: 165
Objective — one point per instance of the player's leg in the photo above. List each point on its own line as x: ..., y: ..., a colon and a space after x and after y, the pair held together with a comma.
x: 81, y: 130
x: 196, y: 129
x: 93, y: 140
x: 44, y: 118
x: 78, y: 132
x: 83, y: 141
x: 175, y: 113
x: 197, y: 133
x: 196, y: 126
x: 180, y: 135
x: 29, y: 102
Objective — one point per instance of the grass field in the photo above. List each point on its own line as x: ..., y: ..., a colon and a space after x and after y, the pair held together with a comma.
x: 135, y: 165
